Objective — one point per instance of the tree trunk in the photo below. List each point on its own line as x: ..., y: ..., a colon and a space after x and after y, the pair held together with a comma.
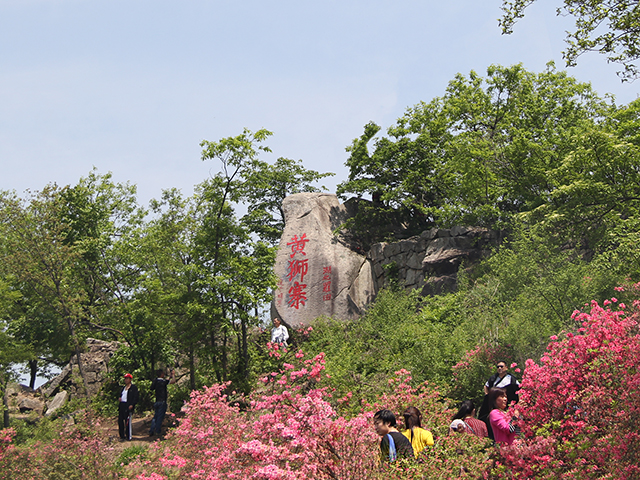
x: 33, y: 373
x: 79, y: 360
x: 244, y: 357
x: 5, y: 408
x: 192, y: 368
x: 224, y: 356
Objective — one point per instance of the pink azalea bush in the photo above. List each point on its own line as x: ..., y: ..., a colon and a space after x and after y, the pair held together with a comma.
x: 289, y: 431
x: 580, y: 406
x: 292, y: 430
x: 77, y: 453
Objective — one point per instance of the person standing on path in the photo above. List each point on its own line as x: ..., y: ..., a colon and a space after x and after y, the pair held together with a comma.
x: 503, y: 379
x: 129, y: 397
x: 159, y: 385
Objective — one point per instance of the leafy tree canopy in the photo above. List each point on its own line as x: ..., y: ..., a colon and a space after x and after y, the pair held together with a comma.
x: 610, y: 27
x: 489, y: 149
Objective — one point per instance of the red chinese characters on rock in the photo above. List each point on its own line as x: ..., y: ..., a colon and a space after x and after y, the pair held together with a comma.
x: 326, y: 283
x: 297, y: 245
x: 279, y: 294
x: 297, y: 295
x: 297, y: 268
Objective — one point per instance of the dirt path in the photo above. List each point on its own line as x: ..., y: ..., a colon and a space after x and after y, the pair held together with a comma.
x: 139, y: 437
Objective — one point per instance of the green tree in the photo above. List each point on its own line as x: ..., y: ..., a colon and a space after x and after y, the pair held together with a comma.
x: 61, y: 250
x: 479, y: 155
x: 609, y: 27
x: 267, y: 186
x: 596, y: 186
x: 260, y: 186
x: 205, y: 276
x: 12, y: 351
x: 37, y: 255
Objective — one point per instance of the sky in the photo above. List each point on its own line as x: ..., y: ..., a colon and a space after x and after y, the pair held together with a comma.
x: 133, y: 87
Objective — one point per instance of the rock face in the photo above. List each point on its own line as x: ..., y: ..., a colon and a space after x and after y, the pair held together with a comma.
x: 317, y: 274
x: 95, y: 364
x: 23, y: 400
x: 431, y: 261
x: 58, y: 402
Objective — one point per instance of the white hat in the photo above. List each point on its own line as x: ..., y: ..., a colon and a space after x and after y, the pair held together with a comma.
x: 456, y: 424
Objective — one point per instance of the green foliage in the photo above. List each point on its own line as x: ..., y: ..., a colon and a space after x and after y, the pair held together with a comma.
x: 487, y: 150
x: 400, y: 330
x: 130, y: 454
x: 43, y: 429
x: 609, y: 27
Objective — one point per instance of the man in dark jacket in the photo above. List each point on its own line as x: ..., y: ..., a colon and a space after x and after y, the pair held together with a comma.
x: 129, y: 397
x: 159, y: 385
x: 503, y: 379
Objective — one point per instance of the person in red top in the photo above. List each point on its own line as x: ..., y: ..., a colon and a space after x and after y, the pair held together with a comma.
x: 467, y: 422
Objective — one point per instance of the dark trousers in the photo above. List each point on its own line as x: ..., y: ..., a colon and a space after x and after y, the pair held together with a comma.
x: 124, y: 420
x: 160, y: 409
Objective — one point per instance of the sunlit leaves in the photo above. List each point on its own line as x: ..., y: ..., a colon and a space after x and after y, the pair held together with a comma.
x: 609, y: 27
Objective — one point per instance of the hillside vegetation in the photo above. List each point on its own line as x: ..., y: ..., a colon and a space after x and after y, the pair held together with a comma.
x: 183, y: 282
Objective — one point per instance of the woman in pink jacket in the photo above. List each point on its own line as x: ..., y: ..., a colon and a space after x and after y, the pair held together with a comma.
x: 502, y: 422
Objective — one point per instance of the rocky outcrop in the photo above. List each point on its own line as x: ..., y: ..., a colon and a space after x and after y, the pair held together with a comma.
x: 23, y: 400
x: 431, y: 261
x: 57, y: 402
x: 320, y: 275
x: 95, y: 364
x: 53, y: 395
x: 317, y: 273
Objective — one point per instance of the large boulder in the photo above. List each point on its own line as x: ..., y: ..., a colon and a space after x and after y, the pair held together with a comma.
x: 95, y: 365
x: 23, y: 400
x: 318, y: 275
x: 58, y: 402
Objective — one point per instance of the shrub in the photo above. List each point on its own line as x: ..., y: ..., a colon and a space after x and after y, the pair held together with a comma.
x: 130, y: 454
x: 292, y: 430
x: 76, y: 453
x: 580, y: 405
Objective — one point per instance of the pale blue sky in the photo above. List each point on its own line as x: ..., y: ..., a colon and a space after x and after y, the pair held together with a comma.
x: 133, y: 87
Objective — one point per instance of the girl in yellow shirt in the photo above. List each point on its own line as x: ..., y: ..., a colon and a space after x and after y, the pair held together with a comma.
x: 418, y: 436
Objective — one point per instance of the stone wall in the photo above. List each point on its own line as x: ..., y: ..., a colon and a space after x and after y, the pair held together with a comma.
x: 431, y: 261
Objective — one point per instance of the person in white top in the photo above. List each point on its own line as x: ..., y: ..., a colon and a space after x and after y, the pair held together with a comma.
x: 279, y: 333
